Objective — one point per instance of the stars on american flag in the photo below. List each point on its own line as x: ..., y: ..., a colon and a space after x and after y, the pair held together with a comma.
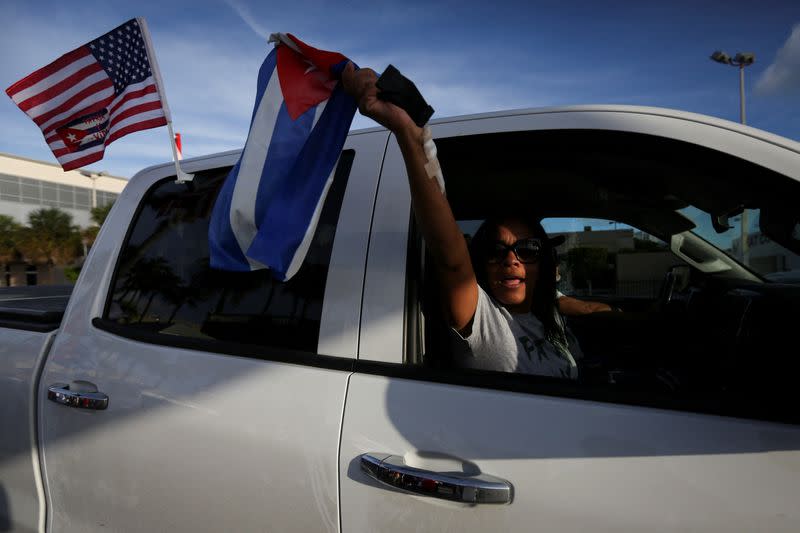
x: 123, y: 55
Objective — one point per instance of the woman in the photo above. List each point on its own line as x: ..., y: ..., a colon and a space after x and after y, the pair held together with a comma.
x: 516, y: 326
x: 501, y: 302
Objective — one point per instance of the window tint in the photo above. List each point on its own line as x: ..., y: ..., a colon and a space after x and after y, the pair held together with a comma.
x: 164, y: 284
x: 607, y: 258
x: 703, y: 329
x: 761, y: 253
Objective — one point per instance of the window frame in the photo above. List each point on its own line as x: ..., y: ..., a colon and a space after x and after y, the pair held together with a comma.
x: 679, y: 127
x: 412, y: 368
x: 223, y: 347
x: 563, y: 250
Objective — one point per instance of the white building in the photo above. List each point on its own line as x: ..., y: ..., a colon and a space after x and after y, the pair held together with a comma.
x: 27, y: 185
x: 766, y: 256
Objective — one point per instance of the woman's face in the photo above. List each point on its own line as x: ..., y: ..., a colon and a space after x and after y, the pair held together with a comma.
x: 511, y: 281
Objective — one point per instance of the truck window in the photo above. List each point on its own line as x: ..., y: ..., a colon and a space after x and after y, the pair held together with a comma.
x: 163, y: 283
x: 661, y: 305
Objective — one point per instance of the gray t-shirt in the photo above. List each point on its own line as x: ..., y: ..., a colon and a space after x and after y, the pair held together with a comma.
x: 512, y: 343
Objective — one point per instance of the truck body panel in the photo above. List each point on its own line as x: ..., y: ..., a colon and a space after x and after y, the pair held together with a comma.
x: 207, y: 431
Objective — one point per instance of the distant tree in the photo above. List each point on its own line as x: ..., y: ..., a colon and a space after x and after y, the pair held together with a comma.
x: 9, y: 239
x: 590, y: 267
x: 89, y: 235
x: 98, y: 216
x: 100, y: 213
x: 50, y: 237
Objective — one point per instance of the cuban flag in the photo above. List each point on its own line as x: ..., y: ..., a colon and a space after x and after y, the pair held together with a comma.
x: 267, y: 210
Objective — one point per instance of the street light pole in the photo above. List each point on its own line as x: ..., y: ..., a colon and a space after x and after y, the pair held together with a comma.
x: 741, y: 60
x: 742, y: 117
x: 94, y: 177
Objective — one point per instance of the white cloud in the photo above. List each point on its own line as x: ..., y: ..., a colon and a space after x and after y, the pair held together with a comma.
x: 783, y: 75
x: 247, y: 17
x: 210, y: 76
x: 450, y: 83
x: 223, y: 82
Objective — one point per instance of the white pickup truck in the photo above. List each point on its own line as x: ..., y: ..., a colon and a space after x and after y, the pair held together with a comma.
x: 166, y: 396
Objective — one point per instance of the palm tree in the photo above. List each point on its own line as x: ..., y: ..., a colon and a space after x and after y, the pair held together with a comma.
x: 50, y: 237
x: 98, y: 216
x: 100, y: 213
x: 9, y: 235
x: 149, y: 277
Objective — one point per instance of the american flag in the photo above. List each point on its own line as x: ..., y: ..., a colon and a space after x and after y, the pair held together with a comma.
x: 93, y: 95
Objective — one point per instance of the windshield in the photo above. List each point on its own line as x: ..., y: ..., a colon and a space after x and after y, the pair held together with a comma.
x: 759, y: 253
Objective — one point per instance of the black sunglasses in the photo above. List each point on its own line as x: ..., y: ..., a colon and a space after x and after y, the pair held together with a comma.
x: 525, y: 250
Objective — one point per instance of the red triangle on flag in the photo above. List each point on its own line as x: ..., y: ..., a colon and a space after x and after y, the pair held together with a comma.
x: 305, y: 78
x: 72, y: 137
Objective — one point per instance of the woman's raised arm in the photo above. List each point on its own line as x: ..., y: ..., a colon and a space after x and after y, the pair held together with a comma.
x: 432, y: 211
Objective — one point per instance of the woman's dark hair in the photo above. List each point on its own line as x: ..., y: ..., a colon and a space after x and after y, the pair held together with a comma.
x: 544, y: 295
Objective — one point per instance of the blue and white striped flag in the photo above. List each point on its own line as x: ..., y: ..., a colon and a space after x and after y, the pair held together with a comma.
x: 267, y: 210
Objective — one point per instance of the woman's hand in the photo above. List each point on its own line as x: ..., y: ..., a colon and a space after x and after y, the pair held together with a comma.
x: 360, y: 84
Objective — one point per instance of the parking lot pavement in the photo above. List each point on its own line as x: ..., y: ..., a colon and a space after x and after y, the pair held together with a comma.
x: 34, y: 291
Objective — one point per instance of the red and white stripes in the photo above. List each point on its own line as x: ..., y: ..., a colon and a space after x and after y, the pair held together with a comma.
x: 75, y: 86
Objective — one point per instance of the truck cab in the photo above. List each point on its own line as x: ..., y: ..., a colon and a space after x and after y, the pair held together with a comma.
x: 331, y: 402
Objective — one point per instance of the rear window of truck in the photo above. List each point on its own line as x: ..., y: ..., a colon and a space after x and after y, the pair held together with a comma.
x: 163, y: 283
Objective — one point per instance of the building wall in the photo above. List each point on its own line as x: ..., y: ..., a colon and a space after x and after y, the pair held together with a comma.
x: 643, y: 266
x: 27, y: 185
x: 20, y: 275
x: 767, y: 256
x: 21, y: 211
x: 611, y: 240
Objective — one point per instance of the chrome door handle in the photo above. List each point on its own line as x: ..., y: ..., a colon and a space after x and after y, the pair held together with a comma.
x: 392, y: 470
x: 80, y: 394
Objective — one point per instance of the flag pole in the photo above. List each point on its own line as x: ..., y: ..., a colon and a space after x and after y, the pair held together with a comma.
x: 180, y: 174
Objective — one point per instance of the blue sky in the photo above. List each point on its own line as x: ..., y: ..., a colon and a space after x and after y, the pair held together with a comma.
x: 466, y: 57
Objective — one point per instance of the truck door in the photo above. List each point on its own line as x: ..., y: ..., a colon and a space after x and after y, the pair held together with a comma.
x: 686, y: 428
x: 224, y: 390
